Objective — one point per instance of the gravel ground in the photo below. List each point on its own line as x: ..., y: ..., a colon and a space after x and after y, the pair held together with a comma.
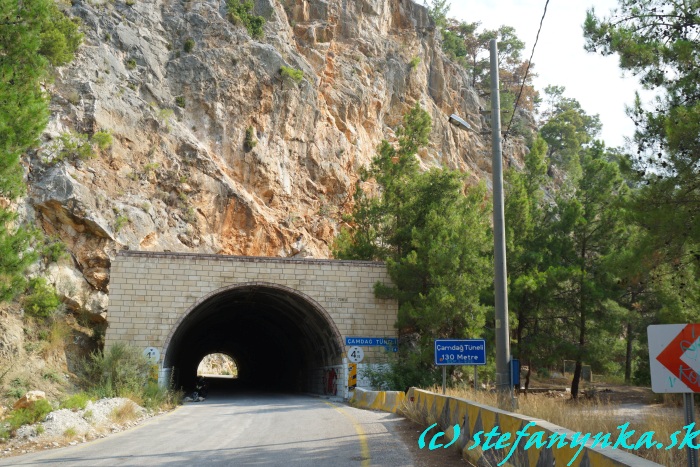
x: 67, y: 427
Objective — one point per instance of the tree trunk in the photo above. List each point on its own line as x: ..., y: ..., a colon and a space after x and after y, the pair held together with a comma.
x: 582, y: 323
x: 579, y: 355
x: 628, y: 356
x: 577, y: 377
x: 527, y: 375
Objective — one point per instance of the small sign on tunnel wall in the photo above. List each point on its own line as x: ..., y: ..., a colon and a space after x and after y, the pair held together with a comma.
x: 389, y: 343
x: 356, y: 354
x: 152, y: 354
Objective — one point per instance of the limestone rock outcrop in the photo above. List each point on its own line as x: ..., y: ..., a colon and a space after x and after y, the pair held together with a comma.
x: 214, y: 151
x: 29, y: 399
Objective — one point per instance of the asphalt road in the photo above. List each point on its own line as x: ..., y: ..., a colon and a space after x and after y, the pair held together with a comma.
x: 243, y: 429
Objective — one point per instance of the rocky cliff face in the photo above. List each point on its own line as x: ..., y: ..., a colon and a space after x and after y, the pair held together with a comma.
x: 213, y: 149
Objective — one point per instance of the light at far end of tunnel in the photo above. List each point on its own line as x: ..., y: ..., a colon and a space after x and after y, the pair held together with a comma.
x: 219, y: 365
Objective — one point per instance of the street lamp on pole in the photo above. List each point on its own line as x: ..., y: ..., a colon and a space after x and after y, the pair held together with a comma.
x: 503, y: 372
x: 459, y: 122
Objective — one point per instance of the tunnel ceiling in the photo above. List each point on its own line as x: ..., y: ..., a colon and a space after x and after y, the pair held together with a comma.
x: 275, y: 335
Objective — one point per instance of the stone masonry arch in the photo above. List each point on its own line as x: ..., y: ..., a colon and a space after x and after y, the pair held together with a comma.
x: 223, y: 320
x: 257, y: 285
x: 283, y: 320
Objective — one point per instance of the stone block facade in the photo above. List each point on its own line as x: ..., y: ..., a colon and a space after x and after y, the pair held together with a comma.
x: 151, y: 293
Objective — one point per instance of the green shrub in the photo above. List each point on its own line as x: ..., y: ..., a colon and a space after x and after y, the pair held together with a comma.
x: 123, y: 371
x: 54, y: 249
x: 77, y: 146
x: 130, y: 64
x: 414, y: 62
x: 190, y: 215
x: 165, y: 115
x: 180, y: 101
x: 154, y: 397
x: 120, y: 222
x: 242, y: 13
x: 15, y: 393
x: 19, y: 382
x: 401, y: 373
x: 75, y: 402
x: 51, y: 375
x: 289, y: 73
x: 72, y: 146
x: 60, y: 36
x: 73, y: 97
x: 42, y: 299
x: 151, y: 167
x: 119, y: 371
x: 250, y: 140
x: 189, y: 45
x: 103, y: 139
x: 16, y: 252
x: 32, y: 414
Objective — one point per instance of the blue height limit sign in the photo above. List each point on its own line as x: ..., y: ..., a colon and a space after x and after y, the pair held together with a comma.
x: 460, y: 352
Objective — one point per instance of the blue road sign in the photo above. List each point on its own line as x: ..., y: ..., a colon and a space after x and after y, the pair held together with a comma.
x: 460, y: 352
x: 515, y: 371
x: 388, y: 342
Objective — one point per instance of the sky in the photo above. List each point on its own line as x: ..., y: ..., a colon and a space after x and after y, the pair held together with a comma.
x: 595, y: 81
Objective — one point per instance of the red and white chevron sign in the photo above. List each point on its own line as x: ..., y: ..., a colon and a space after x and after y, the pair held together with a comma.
x: 674, y: 357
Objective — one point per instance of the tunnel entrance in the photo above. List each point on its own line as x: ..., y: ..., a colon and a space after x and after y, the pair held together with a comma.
x: 279, y: 338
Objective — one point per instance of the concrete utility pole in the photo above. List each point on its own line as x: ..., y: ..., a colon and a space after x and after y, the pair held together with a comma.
x: 504, y: 384
x: 503, y: 374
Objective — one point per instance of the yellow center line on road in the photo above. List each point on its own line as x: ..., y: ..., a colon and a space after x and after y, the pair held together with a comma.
x: 364, y: 446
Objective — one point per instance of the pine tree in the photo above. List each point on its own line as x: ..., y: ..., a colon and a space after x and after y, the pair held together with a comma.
x: 567, y: 129
x: 434, y: 235
x: 525, y: 215
x: 587, y: 229
x: 34, y: 35
x: 657, y: 41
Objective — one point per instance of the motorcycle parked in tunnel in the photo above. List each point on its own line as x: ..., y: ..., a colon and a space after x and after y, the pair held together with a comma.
x: 201, y: 391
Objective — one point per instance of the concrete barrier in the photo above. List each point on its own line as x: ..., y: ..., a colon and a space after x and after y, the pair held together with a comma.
x: 388, y: 401
x: 472, y: 418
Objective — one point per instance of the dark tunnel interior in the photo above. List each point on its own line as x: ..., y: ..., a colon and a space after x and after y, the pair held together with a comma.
x: 276, y: 336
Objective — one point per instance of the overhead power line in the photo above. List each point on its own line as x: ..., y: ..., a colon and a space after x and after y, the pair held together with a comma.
x: 529, y: 62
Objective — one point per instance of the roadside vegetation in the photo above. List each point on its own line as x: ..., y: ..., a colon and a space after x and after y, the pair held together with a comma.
x: 123, y: 371
x: 39, y: 38
x: 601, y: 241
x: 586, y: 416
x: 433, y: 232
x: 120, y: 372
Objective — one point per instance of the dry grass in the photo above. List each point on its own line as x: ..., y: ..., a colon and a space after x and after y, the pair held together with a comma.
x: 70, y: 434
x: 135, y: 397
x: 589, y: 416
x: 126, y: 412
x: 411, y: 411
x: 56, y: 336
